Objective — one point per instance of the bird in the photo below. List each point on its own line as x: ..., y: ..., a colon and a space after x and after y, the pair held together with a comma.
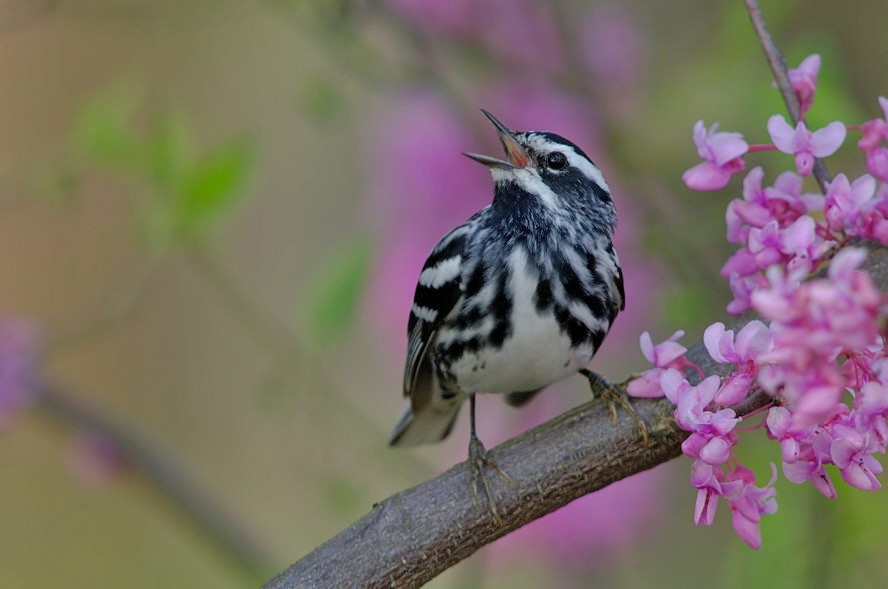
x: 518, y: 297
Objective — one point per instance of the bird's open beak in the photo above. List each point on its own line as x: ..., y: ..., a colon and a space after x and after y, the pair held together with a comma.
x: 515, y: 154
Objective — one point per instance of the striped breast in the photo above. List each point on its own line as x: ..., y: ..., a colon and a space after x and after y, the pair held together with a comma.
x: 526, y: 322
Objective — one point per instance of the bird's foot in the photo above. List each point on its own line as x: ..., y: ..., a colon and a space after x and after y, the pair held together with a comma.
x: 479, y: 458
x: 613, y: 395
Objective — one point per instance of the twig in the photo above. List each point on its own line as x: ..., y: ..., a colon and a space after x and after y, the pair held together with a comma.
x: 781, y: 76
x: 170, y: 479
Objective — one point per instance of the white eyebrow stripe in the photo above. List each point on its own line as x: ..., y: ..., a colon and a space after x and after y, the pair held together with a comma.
x: 589, y: 169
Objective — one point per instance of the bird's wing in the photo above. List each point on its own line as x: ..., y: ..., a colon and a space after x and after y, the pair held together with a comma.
x: 620, y: 288
x: 438, y: 290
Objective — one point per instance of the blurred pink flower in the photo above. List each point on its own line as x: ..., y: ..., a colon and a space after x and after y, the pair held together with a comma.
x: 593, y: 527
x: 420, y: 188
x: 530, y: 104
x: 94, y: 459
x: 451, y: 16
x: 503, y: 28
x: 19, y: 362
x: 614, y: 51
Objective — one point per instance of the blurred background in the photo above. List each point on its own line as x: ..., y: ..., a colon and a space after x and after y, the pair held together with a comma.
x: 212, y: 217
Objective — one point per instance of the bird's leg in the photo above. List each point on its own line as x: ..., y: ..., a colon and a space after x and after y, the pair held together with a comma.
x: 612, y: 394
x: 478, y: 459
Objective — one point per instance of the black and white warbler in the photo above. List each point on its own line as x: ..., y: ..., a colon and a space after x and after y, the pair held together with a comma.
x: 519, y: 296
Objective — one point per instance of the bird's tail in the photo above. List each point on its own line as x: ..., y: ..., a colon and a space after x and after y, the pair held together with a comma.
x: 428, y: 425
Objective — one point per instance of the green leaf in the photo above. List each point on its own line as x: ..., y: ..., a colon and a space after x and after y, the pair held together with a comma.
x: 321, y: 100
x: 167, y: 150
x: 103, y: 128
x: 335, y: 291
x: 210, y: 187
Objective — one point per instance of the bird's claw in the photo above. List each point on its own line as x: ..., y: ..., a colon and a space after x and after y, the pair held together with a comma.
x: 613, y: 394
x: 479, y: 458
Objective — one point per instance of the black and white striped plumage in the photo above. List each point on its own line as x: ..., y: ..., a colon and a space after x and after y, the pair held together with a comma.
x: 522, y: 294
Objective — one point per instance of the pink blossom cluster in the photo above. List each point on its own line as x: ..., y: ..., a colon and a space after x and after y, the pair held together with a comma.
x: 820, y: 361
x: 781, y: 224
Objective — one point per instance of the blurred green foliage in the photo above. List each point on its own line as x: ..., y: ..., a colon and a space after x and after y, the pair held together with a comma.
x: 334, y: 291
x: 189, y: 190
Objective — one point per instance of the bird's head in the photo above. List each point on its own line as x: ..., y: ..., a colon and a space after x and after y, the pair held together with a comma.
x: 550, y: 169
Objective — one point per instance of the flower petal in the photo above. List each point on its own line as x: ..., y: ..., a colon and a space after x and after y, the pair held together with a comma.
x: 824, y: 142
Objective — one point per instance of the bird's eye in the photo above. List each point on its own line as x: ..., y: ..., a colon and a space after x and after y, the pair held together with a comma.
x: 556, y: 160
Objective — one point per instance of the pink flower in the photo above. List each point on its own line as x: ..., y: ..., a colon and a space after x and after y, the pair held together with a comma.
x: 779, y: 423
x: 804, y: 82
x: 850, y: 208
x: 754, y: 339
x: 813, y: 323
x: 853, y: 455
x: 871, y: 412
x: 804, y: 144
x: 712, y: 435
x: 877, y: 163
x: 722, y: 153
x: 874, y: 133
x: 751, y: 503
x: 803, y: 471
x: 783, y: 203
x: 663, y: 354
x: 796, y: 246
x: 711, y: 484
x: 714, y: 450
x: 668, y: 354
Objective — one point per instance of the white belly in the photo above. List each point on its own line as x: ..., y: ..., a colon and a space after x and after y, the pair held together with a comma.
x: 536, y: 353
x: 535, y: 356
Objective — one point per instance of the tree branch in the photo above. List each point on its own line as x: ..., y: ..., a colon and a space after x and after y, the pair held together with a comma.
x: 781, y: 76
x: 412, y: 536
x: 168, y: 478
